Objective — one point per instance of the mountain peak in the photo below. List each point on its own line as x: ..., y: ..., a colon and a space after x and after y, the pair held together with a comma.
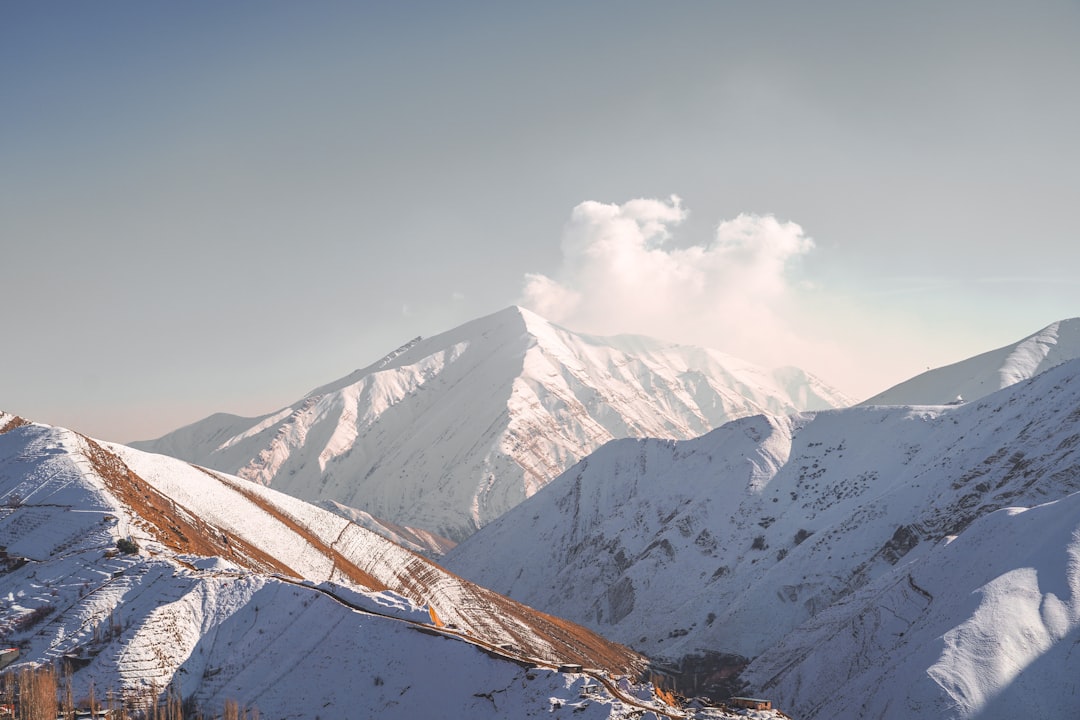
x: 506, y: 322
x: 988, y: 372
x: 447, y: 432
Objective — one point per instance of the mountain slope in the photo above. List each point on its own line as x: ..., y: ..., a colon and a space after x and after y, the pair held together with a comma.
x: 237, y: 591
x: 982, y: 625
x: 989, y: 372
x: 420, y: 541
x: 730, y: 547
x: 447, y: 433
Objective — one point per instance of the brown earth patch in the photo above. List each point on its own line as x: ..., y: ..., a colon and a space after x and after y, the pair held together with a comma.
x: 496, y: 618
x: 171, y: 524
x: 14, y: 422
x: 341, y: 563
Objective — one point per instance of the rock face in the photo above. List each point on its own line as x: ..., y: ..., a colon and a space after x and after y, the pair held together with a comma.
x: 447, y: 433
x: 871, y: 555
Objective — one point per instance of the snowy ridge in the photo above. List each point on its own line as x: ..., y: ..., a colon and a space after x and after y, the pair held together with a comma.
x: 774, y: 539
x: 989, y: 372
x: 238, y: 591
x: 449, y: 432
x: 420, y: 541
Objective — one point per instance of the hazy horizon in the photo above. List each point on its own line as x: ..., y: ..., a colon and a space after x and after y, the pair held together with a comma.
x: 218, y: 207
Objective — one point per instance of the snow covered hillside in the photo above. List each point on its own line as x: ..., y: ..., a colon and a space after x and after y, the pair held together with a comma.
x: 143, y: 572
x: 420, y: 541
x: 864, y: 559
x: 981, y: 375
x: 447, y: 433
x: 984, y: 624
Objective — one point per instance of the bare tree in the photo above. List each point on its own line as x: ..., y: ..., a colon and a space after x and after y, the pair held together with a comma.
x: 69, y: 700
x: 37, y: 693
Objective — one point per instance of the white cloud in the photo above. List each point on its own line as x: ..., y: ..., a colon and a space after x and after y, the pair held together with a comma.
x: 620, y: 273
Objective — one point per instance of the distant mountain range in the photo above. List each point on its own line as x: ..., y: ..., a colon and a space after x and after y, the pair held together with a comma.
x: 141, y: 573
x: 915, y: 562
x: 448, y: 433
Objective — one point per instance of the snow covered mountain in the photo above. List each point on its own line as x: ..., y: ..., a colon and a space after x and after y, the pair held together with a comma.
x: 869, y: 562
x: 983, y: 374
x: 143, y: 572
x: 447, y: 433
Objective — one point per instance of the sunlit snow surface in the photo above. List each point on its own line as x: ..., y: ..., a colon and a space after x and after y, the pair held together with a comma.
x: 449, y: 432
x: 983, y: 374
x: 315, y: 645
x: 874, y: 562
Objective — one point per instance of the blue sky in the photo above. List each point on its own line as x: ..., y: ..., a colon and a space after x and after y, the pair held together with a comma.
x: 219, y: 206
